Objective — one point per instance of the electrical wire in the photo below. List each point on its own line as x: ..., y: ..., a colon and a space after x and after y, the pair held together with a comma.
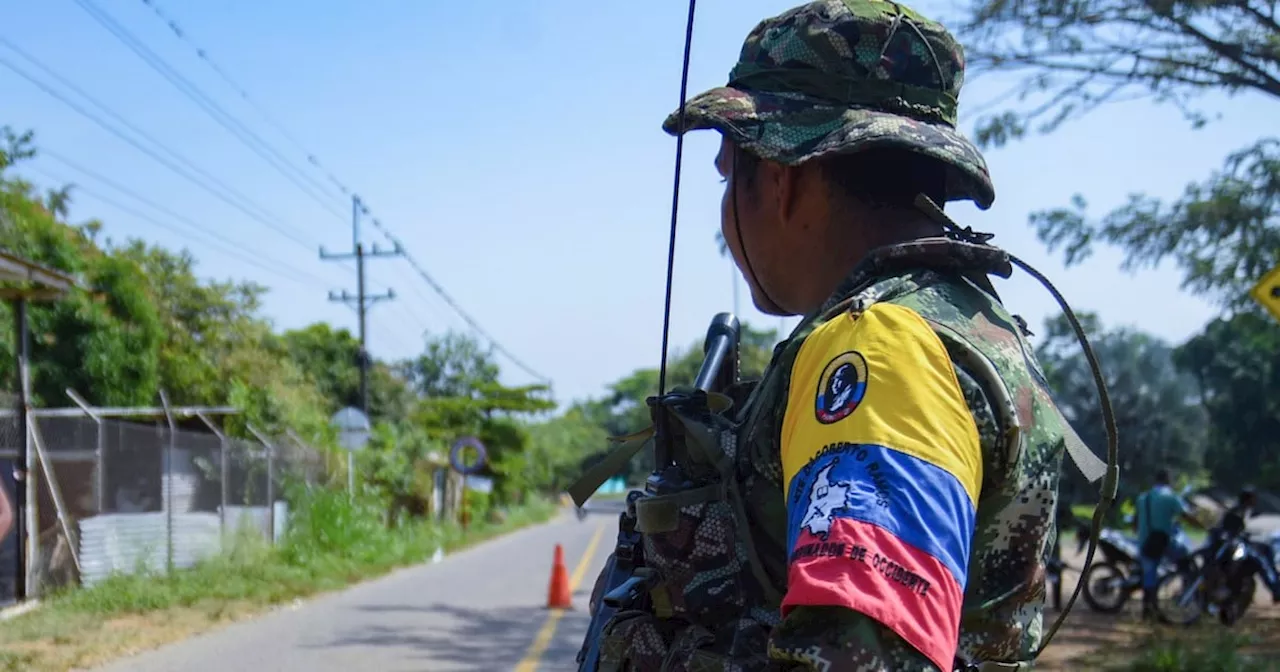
x: 274, y: 267
x: 204, y: 102
x: 183, y: 84
x: 311, y: 157
x: 231, y: 200
x: 196, y: 227
x: 413, y: 263
x: 203, y: 55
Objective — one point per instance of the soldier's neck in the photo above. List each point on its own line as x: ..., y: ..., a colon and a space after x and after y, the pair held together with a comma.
x: 849, y: 243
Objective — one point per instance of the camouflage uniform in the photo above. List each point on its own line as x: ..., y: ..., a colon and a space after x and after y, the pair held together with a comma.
x: 838, y: 76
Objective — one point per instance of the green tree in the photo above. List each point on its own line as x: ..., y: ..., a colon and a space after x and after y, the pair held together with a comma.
x: 203, y: 324
x: 1223, y: 232
x: 1158, y: 418
x: 147, y: 323
x: 103, y: 341
x: 557, y: 447
x: 456, y: 379
x: 330, y: 357
x: 1079, y: 55
x: 1236, y: 363
x: 451, y: 365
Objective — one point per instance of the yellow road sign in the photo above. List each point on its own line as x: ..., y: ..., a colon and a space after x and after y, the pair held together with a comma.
x: 1267, y: 292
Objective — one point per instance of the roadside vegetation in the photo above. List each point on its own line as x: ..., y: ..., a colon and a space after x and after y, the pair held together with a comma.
x: 333, y: 543
x: 1208, y: 407
x: 1252, y: 648
x: 148, y: 322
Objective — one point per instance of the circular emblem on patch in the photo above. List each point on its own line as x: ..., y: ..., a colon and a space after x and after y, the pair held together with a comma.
x: 841, y: 387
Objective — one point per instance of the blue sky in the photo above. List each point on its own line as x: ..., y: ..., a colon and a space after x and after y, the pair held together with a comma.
x: 515, y: 148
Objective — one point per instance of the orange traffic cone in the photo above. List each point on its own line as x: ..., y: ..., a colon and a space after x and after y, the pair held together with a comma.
x: 559, y: 596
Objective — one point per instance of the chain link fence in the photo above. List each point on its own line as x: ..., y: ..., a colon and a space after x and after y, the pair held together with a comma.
x: 123, y: 495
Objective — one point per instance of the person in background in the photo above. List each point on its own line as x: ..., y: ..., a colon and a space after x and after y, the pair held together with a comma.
x: 1159, y: 510
x: 1234, y: 521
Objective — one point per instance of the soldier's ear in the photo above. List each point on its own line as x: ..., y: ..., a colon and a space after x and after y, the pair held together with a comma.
x: 802, y: 194
x: 788, y: 188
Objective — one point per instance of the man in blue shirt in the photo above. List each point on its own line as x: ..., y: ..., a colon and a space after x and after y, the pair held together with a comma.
x: 1159, y: 510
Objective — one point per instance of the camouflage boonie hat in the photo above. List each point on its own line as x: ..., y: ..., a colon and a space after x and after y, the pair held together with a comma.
x: 841, y: 76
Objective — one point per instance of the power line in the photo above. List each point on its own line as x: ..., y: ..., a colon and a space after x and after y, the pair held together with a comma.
x: 149, y: 152
x: 362, y: 299
x: 203, y: 101
x: 454, y: 305
x: 148, y: 218
x: 407, y: 309
x: 203, y: 55
x: 196, y: 228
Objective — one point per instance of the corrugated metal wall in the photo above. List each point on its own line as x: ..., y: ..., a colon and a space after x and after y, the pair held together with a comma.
x: 127, y: 542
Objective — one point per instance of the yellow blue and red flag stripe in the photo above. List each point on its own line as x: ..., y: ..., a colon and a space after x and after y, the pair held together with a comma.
x: 882, y: 465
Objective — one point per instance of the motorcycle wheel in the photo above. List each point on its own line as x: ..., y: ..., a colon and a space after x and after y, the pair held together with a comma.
x: 1105, y: 588
x: 1236, y: 607
x: 1180, y: 598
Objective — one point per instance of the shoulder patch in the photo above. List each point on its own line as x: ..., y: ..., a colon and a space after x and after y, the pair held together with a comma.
x: 841, y: 387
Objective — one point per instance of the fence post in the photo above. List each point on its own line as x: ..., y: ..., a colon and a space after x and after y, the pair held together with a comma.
x: 25, y: 479
x: 55, y: 490
x: 100, y: 448
x: 168, y: 481
x: 271, y: 492
x: 222, y: 450
x: 271, y: 473
x: 303, y: 448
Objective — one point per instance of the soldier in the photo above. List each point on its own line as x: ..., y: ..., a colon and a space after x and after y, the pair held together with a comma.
x: 902, y: 452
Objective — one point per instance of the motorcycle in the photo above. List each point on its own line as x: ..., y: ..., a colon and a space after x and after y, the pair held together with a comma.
x: 1223, y: 584
x: 1109, y: 584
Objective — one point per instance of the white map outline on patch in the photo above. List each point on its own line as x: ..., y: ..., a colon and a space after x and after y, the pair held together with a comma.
x: 825, y: 497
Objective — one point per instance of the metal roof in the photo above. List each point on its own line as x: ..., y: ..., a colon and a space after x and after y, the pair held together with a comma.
x: 49, y: 283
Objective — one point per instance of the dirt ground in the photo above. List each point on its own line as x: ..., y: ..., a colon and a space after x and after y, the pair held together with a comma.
x: 1089, y: 640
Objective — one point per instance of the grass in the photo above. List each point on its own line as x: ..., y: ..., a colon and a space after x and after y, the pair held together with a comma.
x: 1220, y: 651
x: 1197, y: 649
x: 332, y: 543
x: 1251, y: 645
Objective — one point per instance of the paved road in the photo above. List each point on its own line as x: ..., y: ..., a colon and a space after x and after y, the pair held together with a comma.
x: 482, y: 609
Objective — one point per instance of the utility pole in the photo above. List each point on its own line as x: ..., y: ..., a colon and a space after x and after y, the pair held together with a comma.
x: 361, y: 300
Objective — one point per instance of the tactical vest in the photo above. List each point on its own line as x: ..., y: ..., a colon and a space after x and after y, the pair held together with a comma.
x: 701, y: 564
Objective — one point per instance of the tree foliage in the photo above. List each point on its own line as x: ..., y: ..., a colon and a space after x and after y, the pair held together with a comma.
x: 1224, y: 231
x: 1236, y: 364
x: 1081, y: 54
x: 1158, y: 419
